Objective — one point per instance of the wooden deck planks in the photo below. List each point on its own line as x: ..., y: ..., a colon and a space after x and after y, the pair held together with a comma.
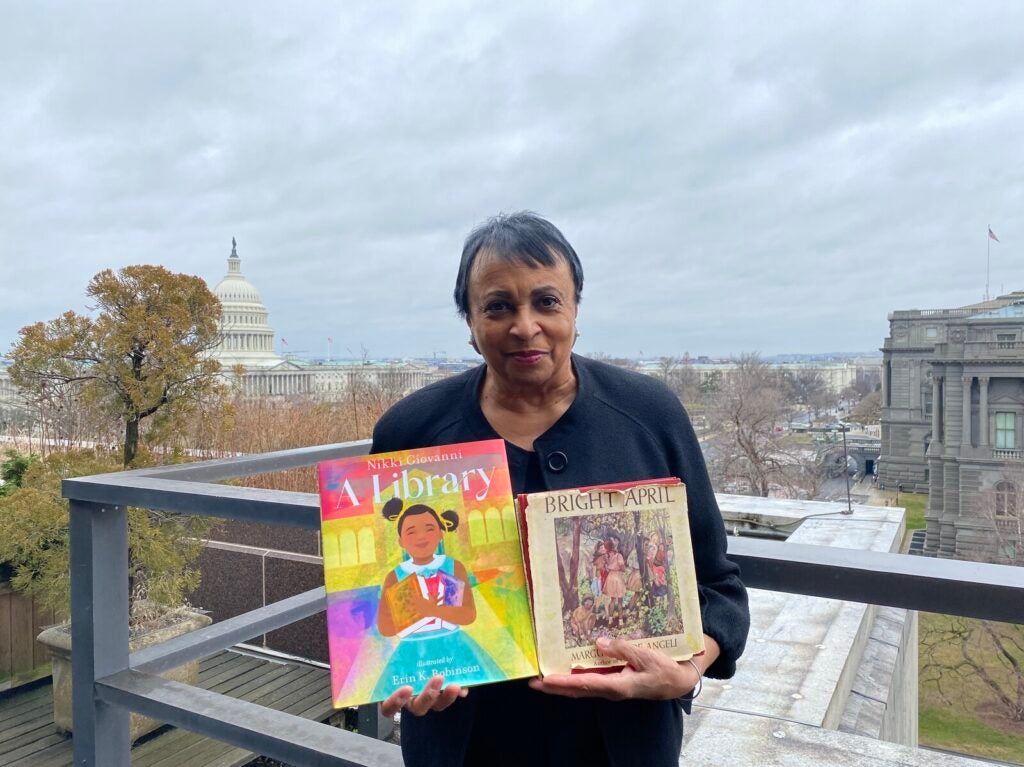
x: 28, y: 737
x: 278, y: 694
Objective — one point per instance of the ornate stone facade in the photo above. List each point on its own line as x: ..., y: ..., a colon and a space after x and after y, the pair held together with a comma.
x: 952, y: 420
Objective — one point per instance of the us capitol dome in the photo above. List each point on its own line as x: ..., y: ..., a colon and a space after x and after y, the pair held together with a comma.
x: 246, y: 337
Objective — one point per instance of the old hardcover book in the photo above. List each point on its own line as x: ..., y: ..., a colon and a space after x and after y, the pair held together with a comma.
x: 424, y: 571
x: 613, y: 561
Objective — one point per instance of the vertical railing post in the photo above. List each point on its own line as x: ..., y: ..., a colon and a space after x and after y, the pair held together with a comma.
x: 373, y: 724
x: 99, y: 630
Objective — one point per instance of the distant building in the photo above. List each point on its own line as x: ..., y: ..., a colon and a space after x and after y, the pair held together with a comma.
x: 952, y: 409
x: 836, y: 375
x: 248, y: 346
x: 12, y: 405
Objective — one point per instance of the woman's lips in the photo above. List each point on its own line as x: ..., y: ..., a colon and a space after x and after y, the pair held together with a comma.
x: 528, y: 357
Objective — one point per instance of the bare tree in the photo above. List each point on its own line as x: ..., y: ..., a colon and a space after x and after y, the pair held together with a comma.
x: 677, y: 374
x: 808, y: 388
x: 869, y: 409
x: 748, y: 410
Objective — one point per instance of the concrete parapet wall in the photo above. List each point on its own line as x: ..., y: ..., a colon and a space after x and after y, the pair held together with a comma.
x: 883, y: 701
x: 823, y: 663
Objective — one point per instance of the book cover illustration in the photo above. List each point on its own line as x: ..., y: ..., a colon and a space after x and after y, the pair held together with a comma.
x: 615, y: 562
x: 424, y: 572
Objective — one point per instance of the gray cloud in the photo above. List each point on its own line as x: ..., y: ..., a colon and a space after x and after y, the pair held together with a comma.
x: 734, y: 176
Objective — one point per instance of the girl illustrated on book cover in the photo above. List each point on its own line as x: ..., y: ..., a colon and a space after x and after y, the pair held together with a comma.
x: 426, y: 598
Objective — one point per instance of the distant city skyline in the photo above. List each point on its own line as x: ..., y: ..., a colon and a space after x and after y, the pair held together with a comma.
x: 735, y: 177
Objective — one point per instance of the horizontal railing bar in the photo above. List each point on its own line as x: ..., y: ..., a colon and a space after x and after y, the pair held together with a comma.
x: 254, y: 504
x: 954, y: 587
x: 949, y: 586
x: 261, y: 463
x: 223, y: 634
x: 285, y: 737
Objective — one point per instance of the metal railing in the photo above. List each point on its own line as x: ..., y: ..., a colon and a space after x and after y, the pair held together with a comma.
x: 109, y: 681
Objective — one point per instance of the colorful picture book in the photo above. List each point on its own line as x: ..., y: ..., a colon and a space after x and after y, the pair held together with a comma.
x: 613, y: 561
x: 424, y: 571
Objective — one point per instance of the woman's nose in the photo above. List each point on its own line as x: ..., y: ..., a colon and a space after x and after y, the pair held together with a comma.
x: 525, y: 325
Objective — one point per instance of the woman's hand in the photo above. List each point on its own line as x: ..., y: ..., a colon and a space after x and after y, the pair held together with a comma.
x: 435, y: 697
x: 650, y: 674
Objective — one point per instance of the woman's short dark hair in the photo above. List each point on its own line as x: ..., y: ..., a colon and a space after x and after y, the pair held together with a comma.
x: 524, y: 237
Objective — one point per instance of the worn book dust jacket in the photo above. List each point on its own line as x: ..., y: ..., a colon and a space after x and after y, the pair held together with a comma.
x: 424, y: 571
x: 613, y: 561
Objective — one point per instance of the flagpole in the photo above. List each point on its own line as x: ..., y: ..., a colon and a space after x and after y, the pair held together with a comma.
x: 988, y: 258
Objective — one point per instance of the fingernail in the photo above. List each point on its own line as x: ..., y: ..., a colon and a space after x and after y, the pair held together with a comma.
x: 602, y: 643
x: 463, y: 692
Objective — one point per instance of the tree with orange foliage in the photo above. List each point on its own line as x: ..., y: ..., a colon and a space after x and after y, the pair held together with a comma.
x: 144, y: 351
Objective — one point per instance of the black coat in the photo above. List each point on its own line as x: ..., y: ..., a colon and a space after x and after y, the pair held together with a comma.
x: 622, y: 426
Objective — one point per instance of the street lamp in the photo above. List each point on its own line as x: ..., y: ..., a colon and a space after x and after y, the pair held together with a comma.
x: 899, y: 486
x: 846, y: 470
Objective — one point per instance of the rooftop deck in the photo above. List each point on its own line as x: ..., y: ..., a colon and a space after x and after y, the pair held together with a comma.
x: 789, y: 709
x: 28, y: 736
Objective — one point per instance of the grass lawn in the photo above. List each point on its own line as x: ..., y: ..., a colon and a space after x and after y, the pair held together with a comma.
x: 952, y: 729
x: 915, y: 504
x: 965, y: 720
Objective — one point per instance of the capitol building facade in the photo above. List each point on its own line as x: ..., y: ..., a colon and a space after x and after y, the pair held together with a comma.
x: 247, y: 352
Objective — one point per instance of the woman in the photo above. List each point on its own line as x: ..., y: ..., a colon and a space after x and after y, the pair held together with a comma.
x: 567, y: 422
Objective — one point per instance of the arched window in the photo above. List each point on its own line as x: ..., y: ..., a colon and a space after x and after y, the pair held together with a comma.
x: 332, y: 556
x: 508, y: 522
x: 1006, y: 499
x: 492, y: 526
x: 477, y: 528
x: 493, y: 520
x: 348, y: 548
x: 367, y: 546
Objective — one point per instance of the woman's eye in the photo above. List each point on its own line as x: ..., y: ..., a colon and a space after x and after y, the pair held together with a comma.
x: 495, y: 306
x: 549, y: 302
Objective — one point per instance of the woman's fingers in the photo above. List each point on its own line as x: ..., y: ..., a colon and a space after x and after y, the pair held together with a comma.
x: 396, y: 701
x: 649, y: 674
x: 435, y: 697
x: 637, y: 657
x: 611, y: 686
x: 448, y: 696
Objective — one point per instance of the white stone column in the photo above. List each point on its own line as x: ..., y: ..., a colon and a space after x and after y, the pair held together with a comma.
x: 936, y: 407
x: 983, y: 411
x: 965, y: 440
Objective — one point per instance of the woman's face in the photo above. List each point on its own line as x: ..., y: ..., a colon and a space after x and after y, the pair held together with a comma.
x: 523, y: 320
x: 420, y: 536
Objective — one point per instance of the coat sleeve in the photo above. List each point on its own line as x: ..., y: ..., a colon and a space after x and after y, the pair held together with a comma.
x: 723, y: 598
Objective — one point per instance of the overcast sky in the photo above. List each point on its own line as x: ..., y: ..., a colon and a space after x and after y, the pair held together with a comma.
x: 735, y: 177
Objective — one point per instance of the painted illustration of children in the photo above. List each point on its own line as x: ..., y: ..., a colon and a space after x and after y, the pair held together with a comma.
x: 634, y: 582
x: 615, y: 582
x: 600, y: 570
x: 426, y: 598
x: 583, y: 620
x: 656, y: 557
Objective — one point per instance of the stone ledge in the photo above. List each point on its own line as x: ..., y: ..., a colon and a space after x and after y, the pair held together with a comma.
x: 717, y: 737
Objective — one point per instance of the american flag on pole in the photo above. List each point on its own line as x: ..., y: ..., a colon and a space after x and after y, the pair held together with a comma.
x: 330, y: 340
x: 992, y: 235
x: 284, y: 341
